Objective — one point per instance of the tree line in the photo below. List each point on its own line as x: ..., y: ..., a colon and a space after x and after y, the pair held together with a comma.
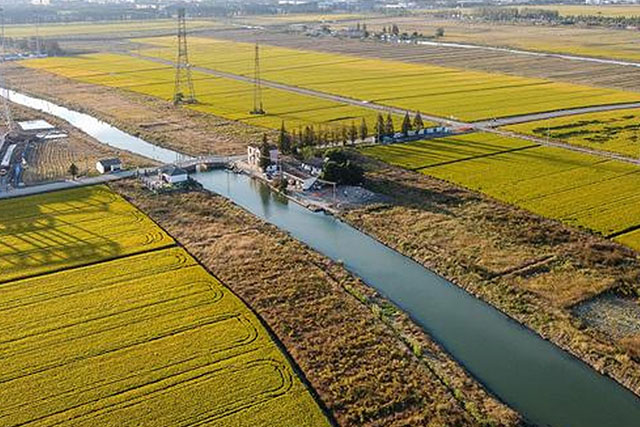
x: 294, y: 141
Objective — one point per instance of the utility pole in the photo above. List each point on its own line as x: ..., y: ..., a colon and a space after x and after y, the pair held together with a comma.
x: 6, y: 111
x: 38, y: 35
x: 184, y: 92
x: 257, y: 85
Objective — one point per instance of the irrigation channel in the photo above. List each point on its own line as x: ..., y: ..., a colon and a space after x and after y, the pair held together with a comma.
x: 542, y: 382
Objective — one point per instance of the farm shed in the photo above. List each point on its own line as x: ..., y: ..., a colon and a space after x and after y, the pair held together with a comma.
x: 108, y: 165
x: 174, y: 174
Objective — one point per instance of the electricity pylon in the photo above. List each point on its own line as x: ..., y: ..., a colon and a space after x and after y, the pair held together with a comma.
x: 184, y: 92
x: 258, y: 108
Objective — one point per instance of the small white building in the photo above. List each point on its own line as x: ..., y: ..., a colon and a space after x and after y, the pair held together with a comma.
x: 253, y: 156
x: 109, y: 165
x: 173, y: 174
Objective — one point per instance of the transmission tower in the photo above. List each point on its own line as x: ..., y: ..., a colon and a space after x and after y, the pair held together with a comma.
x: 257, y: 85
x: 184, y: 92
x: 6, y: 111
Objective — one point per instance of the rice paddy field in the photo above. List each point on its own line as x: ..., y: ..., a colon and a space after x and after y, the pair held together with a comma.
x: 578, y: 189
x: 442, y: 91
x: 104, y: 28
x: 149, y: 338
x: 617, y: 131
x: 222, y: 97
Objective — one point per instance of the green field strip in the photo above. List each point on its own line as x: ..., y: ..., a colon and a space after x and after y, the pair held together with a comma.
x: 72, y: 228
x: 613, y: 131
x: 463, y: 94
x: 219, y: 96
x: 631, y: 239
x: 578, y: 189
x: 144, y: 339
x: 481, y: 156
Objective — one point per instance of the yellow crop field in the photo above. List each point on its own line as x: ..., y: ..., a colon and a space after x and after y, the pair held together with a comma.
x: 615, y: 131
x: 222, y: 97
x: 631, y: 239
x: 148, y: 339
x: 106, y: 27
x: 60, y: 230
x: 445, y: 92
x: 578, y: 189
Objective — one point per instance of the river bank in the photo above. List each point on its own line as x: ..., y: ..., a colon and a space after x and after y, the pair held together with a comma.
x: 483, y: 355
x: 533, y: 269
x: 368, y: 362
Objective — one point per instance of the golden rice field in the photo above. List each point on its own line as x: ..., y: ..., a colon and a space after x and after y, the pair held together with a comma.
x: 148, y: 339
x: 222, y: 97
x: 55, y: 231
x: 442, y: 91
x: 578, y: 189
x: 614, y: 131
x: 104, y: 28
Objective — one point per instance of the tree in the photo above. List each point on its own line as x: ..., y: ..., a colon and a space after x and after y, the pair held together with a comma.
x: 406, y: 125
x: 439, y: 32
x: 364, y: 131
x: 73, y: 170
x: 265, y: 158
x: 353, y: 132
x: 389, y: 130
x: 340, y: 169
x: 380, y: 128
x: 284, y: 140
x: 418, y: 124
x: 395, y: 30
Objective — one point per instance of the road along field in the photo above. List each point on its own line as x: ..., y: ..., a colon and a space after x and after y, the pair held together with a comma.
x: 617, y: 131
x: 150, y: 338
x: 445, y: 92
x: 578, y: 189
x: 219, y: 96
x: 571, y: 40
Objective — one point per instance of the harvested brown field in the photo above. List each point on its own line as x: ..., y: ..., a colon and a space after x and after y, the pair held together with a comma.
x: 592, y: 74
x: 50, y: 160
x: 533, y: 269
x: 353, y: 346
x: 154, y: 120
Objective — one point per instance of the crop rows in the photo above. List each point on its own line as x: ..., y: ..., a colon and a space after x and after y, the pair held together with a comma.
x: 147, y: 339
x: 615, y: 131
x: 578, y: 189
x: 222, y: 97
x: 446, y: 92
x: 423, y: 154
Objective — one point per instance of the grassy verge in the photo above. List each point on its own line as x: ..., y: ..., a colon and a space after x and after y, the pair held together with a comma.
x: 366, y: 360
x: 533, y: 269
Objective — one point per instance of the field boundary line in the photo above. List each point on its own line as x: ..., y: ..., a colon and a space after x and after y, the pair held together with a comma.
x: 481, y: 156
x: 563, y: 145
x: 88, y: 264
x: 623, y: 232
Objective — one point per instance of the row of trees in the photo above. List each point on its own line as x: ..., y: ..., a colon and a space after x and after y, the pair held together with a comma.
x: 512, y: 14
x: 313, y: 136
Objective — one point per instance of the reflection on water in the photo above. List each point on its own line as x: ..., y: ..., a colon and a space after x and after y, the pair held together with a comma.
x: 542, y: 382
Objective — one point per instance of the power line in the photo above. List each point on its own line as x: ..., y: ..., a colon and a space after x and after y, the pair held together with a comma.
x: 183, y: 93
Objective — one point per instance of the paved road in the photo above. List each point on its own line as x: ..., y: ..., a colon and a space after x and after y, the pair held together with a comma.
x: 307, y: 92
x: 534, y: 53
x: 63, y: 185
x: 513, y: 120
x: 550, y: 143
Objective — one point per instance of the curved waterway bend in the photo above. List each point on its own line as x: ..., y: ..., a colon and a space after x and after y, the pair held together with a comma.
x: 545, y: 384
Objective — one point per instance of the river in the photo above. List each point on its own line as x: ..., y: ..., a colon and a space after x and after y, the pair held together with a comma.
x: 541, y: 381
